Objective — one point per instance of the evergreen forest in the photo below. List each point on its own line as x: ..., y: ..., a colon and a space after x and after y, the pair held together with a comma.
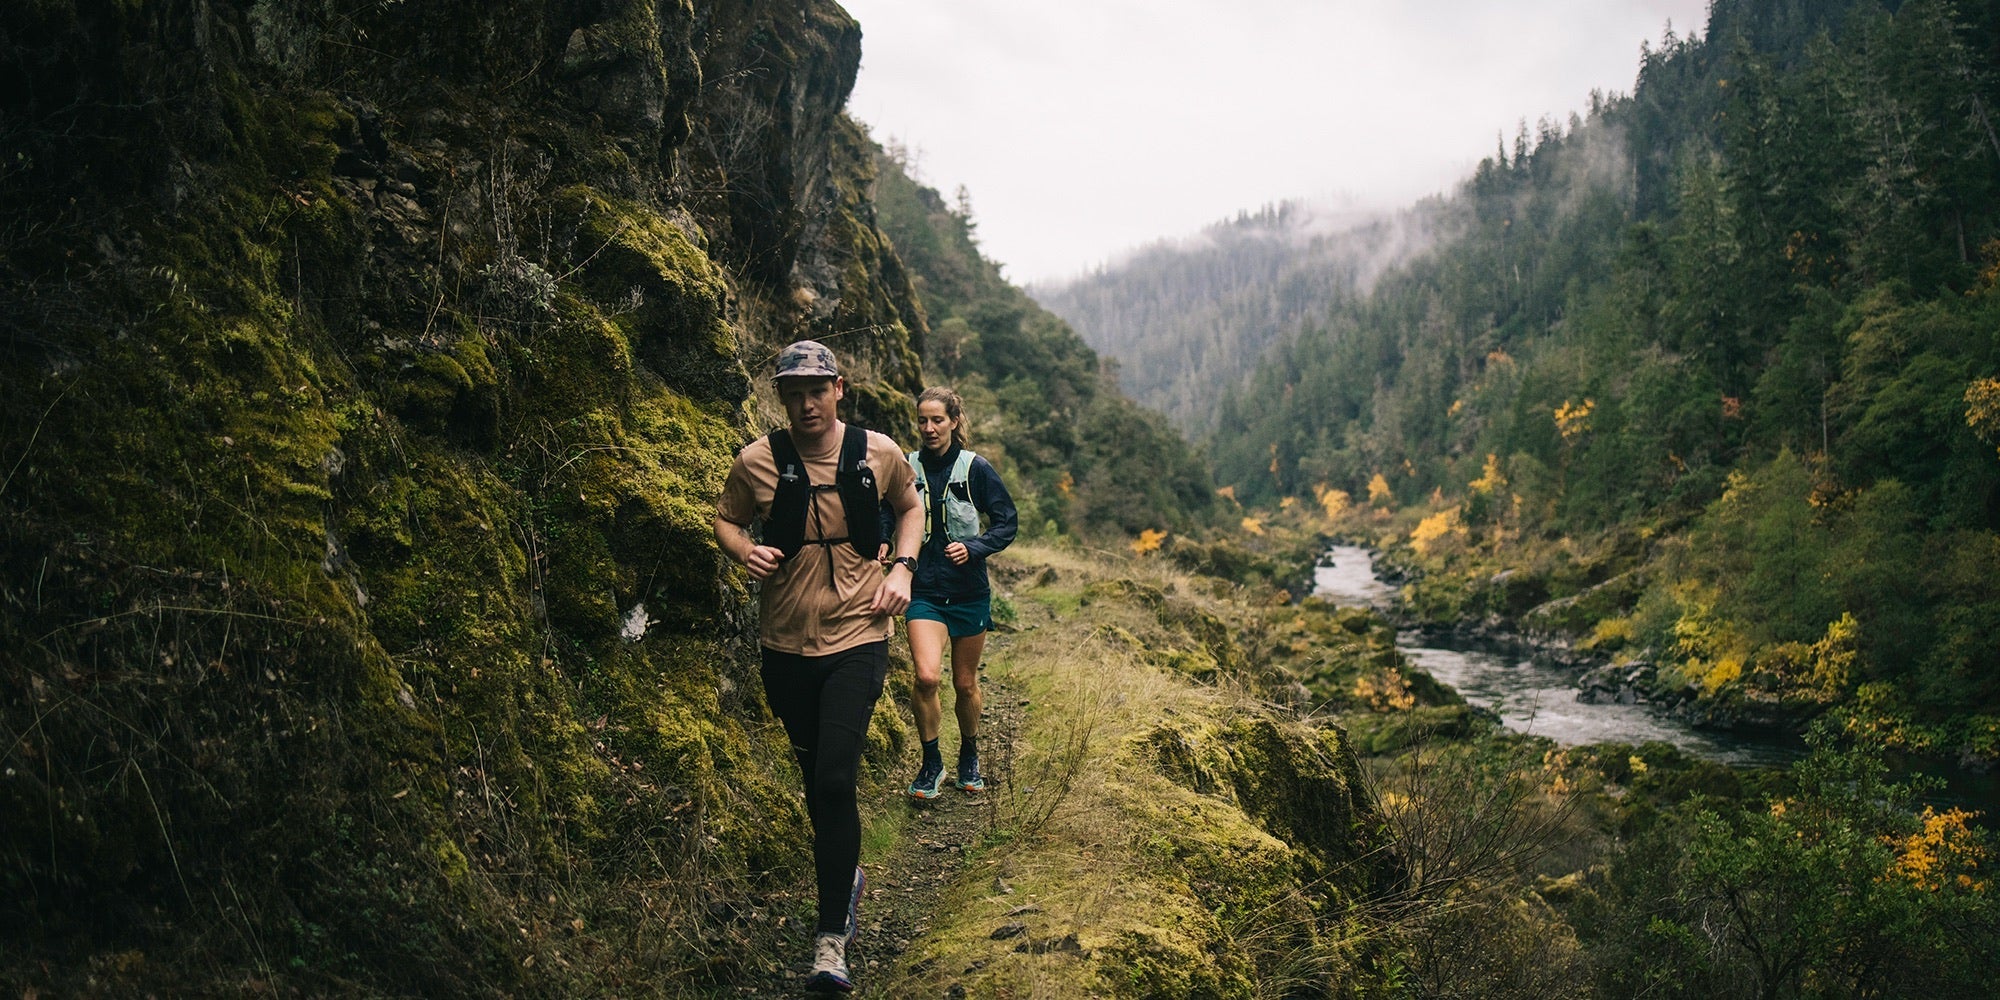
x: 1184, y: 319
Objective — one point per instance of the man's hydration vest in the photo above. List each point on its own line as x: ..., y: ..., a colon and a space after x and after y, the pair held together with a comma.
x: 860, y: 498
x: 961, y: 518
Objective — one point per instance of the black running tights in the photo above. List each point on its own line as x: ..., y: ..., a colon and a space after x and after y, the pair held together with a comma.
x: 825, y: 703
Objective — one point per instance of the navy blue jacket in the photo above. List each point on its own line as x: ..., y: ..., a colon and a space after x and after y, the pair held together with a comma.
x: 938, y: 579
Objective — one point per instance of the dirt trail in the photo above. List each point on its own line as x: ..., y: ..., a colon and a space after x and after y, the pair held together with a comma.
x: 932, y: 851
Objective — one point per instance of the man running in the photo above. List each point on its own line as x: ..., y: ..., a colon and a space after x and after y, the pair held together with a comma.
x: 826, y: 607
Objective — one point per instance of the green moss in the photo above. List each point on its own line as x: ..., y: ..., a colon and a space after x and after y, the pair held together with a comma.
x: 665, y: 296
x: 1149, y: 597
x: 1231, y: 904
x: 1165, y: 963
x: 1194, y: 664
x: 450, y: 859
x: 1298, y: 781
x: 1383, y: 733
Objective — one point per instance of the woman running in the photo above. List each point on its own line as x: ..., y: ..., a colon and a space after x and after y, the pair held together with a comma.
x: 950, y: 599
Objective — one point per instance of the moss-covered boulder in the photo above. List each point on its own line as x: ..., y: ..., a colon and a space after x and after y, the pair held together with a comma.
x: 1297, y: 780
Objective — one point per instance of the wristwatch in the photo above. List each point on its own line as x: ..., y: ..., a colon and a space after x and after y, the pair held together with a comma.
x: 910, y: 561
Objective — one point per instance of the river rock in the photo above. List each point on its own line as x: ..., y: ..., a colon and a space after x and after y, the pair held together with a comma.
x: 1512, y: 592
x: 1576, y: 614
x: 1620, y: 683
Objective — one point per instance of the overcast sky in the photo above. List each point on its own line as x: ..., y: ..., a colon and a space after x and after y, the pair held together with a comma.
x: 1083, y: 128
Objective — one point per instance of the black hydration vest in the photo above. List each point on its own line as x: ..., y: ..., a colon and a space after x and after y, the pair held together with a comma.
x: 860, y: 500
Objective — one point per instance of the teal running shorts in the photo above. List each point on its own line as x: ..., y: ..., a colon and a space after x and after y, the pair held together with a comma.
x: 960, y: 619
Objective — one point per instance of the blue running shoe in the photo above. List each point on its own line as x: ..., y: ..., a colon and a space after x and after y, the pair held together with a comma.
x: 929, y: 783
x: 968, y: 778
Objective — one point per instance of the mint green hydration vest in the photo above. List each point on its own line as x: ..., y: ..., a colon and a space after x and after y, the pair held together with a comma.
x: 961, y: 518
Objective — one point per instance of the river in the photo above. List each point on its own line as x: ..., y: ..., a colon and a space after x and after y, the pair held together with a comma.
x: 1538, y: 698
x: 1531, y: 697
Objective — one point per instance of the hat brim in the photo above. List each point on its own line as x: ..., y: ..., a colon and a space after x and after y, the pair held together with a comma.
x: 806, y: 373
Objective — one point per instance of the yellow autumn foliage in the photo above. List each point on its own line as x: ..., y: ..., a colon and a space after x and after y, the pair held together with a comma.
x: 1148, y: 541
x: 1727, y: 669
x: 1712, y: 650
x: 1945, y: 852
x: 1573, y: 419
x: 1378, y: 491
x: 1335, y: 503
x: 1436, y: 528
x: 1385, y: 691
x: 1819, y: 671
x: 1982, y: 409
x: 1491, y: 480
x: 1253, y: 525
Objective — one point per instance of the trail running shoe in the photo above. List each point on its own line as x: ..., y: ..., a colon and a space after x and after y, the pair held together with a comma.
x: 854, y: 905
x: 929, y: 783
x: 829, y: 971
x: 968, y: 778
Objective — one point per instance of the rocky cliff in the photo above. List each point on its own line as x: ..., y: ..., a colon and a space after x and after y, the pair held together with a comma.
x: 368, y: 372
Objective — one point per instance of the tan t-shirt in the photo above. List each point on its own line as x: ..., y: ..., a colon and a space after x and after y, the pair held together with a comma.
x: 800, y: 612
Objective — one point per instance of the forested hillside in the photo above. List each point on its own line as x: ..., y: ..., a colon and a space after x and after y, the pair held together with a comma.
x: 1189, y: 317
x: 1078, y: 453
x: 1731, y: 342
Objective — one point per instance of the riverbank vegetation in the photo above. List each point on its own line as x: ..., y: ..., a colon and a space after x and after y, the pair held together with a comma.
x: 1179, y: 822
x: 1163, y: 832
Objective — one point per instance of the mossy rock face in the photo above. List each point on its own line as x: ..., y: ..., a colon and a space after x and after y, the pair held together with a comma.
x: 1146, y: 964
x: 1194, y: 664
x: 1191, y: 756
x: 766, y: 123
x: 635, y: 71
x: 1147, y: 596
x: 1190, y: 640
x: 1510, y: 593
x: 1262, y: 834
x: 667, y: 297
x: 1578, y: 613
x: 1298, y: 781
x: 1210, y: 634
x: 360, y: 584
